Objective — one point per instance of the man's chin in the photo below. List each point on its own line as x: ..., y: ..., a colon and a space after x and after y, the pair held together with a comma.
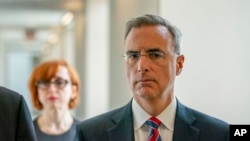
x: 145, y: 92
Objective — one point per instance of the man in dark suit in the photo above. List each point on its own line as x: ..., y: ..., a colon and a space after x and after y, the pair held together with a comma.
x: 15, y: 119
x: 153, y: 60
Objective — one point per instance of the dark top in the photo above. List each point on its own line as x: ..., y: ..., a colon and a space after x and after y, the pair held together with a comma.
x: 66, y: 136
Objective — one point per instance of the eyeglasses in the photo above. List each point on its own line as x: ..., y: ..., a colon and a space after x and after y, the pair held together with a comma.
x: 154, y: 56
x: 58, y: 83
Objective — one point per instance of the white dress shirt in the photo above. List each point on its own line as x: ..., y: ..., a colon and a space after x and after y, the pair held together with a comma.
x: 167, y: 118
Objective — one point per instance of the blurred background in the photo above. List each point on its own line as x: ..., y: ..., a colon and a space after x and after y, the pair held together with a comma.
x: 89, y: 35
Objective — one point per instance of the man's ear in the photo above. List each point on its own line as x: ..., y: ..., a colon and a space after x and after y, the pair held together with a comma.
x: 179, y: 64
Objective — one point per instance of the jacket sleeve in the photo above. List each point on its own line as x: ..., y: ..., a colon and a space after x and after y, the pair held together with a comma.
x: 25, y: 129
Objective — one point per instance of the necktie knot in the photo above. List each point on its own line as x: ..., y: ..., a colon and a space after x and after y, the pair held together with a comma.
x: 153, y: 122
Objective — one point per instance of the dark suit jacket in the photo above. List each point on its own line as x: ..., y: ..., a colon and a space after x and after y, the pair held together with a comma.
x: 117, y: 125
x: 15, y: 119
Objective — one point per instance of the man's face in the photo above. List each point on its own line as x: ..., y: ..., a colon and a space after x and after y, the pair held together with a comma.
x: 151, y: 64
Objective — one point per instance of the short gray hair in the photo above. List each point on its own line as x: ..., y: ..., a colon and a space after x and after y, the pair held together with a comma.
x: 148, y: 20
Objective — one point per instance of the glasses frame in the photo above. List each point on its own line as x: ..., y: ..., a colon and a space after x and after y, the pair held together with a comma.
x: 134, y: 56
x: 45, y: 85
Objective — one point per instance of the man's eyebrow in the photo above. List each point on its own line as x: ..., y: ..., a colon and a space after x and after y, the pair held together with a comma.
x: 131, y: 51
x: 149, y: 50
x: 153, y: 50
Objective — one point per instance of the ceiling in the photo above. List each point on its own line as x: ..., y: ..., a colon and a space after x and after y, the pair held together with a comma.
x: 39, y: 17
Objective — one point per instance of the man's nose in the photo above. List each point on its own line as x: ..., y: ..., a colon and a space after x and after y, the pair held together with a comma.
x: 143, y: 63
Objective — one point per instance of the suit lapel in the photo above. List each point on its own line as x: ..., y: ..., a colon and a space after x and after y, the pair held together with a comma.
x: 123, y: 129
x: 183, y: 129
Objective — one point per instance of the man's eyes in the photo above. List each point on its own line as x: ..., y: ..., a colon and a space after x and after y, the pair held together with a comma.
x: 133, y: 55
x: 156, y: 54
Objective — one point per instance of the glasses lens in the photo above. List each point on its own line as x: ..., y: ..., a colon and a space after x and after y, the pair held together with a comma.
x: 132, y: 55
x: 60, y: 83
x: 156, y: 55
x: 43, y: 84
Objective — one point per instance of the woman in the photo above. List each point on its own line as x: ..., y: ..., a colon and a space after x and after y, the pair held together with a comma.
x: 54, y: 87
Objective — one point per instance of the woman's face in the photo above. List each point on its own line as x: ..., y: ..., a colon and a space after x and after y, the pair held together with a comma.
x: 57, y: 93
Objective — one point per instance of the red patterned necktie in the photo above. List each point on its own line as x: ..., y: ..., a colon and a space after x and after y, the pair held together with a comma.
x: 154, y: 134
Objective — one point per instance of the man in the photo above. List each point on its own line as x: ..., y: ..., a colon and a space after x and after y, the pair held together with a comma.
x: 153, y: 60
x: 15, y: 119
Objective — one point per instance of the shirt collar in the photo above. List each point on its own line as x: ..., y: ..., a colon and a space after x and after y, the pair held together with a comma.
x: 167, y: 117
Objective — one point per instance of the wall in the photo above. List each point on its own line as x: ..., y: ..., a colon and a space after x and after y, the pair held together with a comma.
x: 95, y: 94
x: 216, y: 44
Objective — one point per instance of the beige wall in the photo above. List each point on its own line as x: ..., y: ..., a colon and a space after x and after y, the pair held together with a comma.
x: 216, y: 42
